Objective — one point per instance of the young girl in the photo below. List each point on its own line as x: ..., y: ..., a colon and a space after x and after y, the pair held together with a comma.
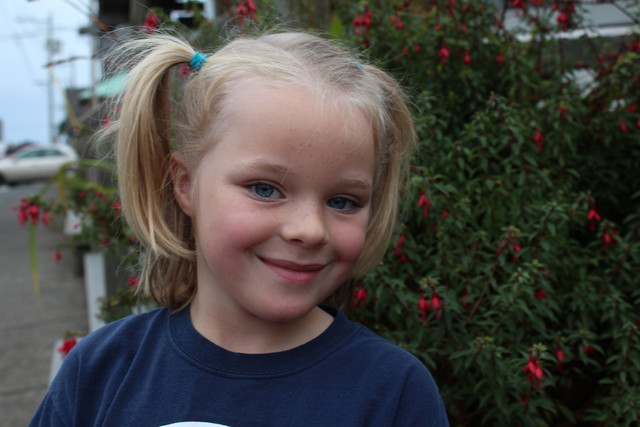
x: 280, y: 190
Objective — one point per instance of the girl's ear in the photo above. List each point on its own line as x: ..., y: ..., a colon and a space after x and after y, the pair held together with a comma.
x: 182, y: 181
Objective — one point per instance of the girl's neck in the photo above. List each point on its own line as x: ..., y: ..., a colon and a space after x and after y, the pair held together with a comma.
x: 251, y: 335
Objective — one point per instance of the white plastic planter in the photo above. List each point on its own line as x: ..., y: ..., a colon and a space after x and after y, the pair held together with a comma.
x: 95, y: 284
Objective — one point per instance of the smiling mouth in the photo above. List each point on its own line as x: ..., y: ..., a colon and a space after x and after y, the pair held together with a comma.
x: 293, y: 272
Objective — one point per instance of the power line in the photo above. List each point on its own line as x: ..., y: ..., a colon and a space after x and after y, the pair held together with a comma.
x: 32, y: 35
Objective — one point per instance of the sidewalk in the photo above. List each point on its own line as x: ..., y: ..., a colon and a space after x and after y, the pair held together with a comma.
x: 30, y: 325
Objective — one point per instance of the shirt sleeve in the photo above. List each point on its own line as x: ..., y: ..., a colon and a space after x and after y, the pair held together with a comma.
x: 57, y: 408
x: 420, y: 403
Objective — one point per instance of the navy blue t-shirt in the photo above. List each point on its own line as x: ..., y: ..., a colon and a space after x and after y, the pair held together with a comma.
x: 155, y: 369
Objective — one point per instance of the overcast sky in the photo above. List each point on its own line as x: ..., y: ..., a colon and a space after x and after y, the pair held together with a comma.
x: 23, y: 77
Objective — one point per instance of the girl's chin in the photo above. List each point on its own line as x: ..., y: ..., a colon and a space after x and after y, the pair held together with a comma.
x: 285, y: 314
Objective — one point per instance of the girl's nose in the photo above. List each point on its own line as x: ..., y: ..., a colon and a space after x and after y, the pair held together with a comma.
x: 306, y: 226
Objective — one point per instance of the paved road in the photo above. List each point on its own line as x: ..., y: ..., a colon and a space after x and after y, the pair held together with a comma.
x: 30, y: 325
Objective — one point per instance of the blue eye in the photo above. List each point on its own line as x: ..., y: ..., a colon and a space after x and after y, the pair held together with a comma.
x: 341, y: 203
x: 264, y: 191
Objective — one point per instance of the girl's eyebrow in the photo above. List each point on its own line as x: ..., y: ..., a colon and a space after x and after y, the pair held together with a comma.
x: 353, y: 182
x: 263, y: 165
x: 280, y: 169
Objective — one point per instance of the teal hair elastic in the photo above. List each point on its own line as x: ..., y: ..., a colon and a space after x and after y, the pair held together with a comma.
x: 197, y: 61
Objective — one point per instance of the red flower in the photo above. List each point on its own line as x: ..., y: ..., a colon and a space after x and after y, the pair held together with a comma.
x: 465, y: 296
x: 117, y: 206
x: 45, y: 217
x: 588, y: 349
x: 500, y: 58
x: 359, y: 297
x: 499, y: 22
x: 563, y: 20
x: 67, y: 345
x: 518, y: 4
x: 185, y: 71
x: 524, y: 399
x: 424, y: 203
x: 563, y: 111
x: 623, y: 126
x: 416, y: 48
x: 241, y: 9
x: 363, y: 21
x: 444, y: 214
x: 133, y: 280
x: 30, y: 211
x: 607, y: 239
x: 22, y: 217
x: 534, y: 371
x: 436, y: 304
x: 151, y: 23
x: 540, y: 293
x: 443, y: 54
x: 57, y: 256
x: 22, y: 208
x: 423, y: 306
x: 366, y: 21
x: 467, y: 58
x: 592, y: 217
x: 34, y: 213
x: 560, y: 356
x: 246, y: 8
x: 397, y: 252
x: 538, y: 139
x: 399, y: 245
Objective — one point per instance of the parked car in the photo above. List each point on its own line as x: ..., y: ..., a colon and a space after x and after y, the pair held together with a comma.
x: 35, y: 163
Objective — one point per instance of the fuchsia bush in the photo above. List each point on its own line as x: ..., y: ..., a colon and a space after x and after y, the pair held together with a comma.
x: 516, y: 269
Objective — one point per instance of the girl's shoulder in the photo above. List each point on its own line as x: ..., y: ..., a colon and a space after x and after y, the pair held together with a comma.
x: 375, y: 353
x: 376, y: 347
x: 372, y: 362
x: 119, y: 340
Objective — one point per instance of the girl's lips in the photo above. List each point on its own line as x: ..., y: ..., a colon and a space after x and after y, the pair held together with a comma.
x: 293, y: 272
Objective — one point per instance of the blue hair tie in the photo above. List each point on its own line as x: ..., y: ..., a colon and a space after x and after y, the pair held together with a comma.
x: 359, y: 65
x: 197, y: 61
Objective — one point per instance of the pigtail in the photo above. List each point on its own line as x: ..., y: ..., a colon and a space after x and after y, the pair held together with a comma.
x: 396, y: 142
x: 143, y: 151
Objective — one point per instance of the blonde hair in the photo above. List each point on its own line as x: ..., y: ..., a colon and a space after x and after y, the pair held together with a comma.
x: 150, y: 119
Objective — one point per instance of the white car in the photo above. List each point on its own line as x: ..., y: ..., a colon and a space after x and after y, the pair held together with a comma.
x: 35, y: 163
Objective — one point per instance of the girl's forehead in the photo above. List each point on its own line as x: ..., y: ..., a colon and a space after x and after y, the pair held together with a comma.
x: 317, y: 92
x: 290, y: 123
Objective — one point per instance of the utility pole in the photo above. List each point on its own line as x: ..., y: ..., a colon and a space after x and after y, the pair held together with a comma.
x: 53, y: 47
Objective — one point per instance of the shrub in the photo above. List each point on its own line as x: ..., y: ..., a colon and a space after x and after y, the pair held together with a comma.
x: 514, y: 275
